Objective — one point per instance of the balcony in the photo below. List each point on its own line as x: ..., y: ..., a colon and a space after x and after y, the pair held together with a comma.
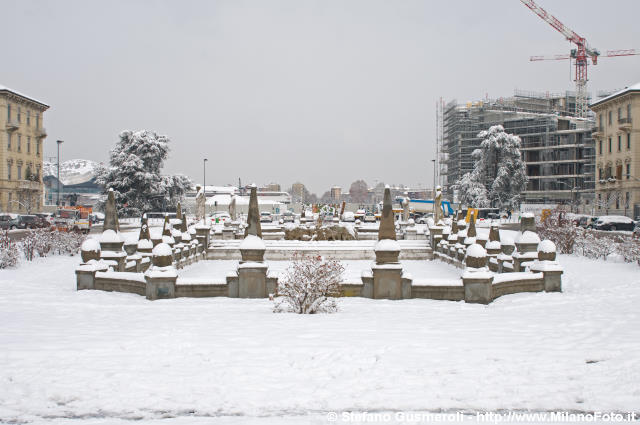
x: 41, y: 133
x: 598, y: 132
x: 624, y: 124
x: 29, y: 185
x: 12, y: 125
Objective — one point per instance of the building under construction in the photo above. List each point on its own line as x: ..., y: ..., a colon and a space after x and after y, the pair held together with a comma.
x: 557, y: 146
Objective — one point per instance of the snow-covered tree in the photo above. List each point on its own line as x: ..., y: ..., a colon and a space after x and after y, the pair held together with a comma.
x: 498, y: 169
x: 134, y: 173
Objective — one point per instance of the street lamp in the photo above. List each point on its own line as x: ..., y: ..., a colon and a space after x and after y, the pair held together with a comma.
x: 434, y: 187
x: 572, y: 188
x: 59, y: 142
x: 204, y: 188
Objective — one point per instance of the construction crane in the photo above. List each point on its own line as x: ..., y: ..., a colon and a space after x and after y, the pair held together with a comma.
x: 581, y: 54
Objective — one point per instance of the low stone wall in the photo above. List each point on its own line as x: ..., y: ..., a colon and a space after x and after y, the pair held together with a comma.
x: 130, y: 283
x: 447, y: 293
x: 202, y: 290
x: 513, y: 283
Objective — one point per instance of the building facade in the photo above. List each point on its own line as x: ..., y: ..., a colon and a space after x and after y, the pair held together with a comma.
x: 617, y: 138
x: 336, y: 193
x: 557, y: 147
x: 21, y: 152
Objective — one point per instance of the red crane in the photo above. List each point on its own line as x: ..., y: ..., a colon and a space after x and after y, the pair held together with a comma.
x: 580, y: 54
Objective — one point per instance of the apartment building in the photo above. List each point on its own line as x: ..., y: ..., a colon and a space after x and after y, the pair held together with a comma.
x: 21, y: 137
x: 618, y: 153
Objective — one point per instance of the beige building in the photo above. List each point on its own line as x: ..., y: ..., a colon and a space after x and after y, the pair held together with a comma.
x: 336, y: 193
x: 21, y: 138
x: 617, y: 138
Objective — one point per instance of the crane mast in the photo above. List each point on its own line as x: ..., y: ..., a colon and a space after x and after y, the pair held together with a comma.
x: 580, y: 54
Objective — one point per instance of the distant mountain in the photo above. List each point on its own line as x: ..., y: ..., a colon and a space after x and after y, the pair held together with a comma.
x: 73, y: 171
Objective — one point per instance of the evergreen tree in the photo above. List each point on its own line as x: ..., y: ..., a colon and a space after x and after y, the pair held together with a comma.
x: 499, y: 175
x: 134, y: 174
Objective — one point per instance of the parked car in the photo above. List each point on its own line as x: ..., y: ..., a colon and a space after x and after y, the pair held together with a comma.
x: 636, y: 230
x: 8, y: 221
x: 423, y: 218
x: 369, y: 218
x: 28, y: 221
x: 265, y: 217
x: 586, y: 222
x: 348, y: 216
x: 359, y: 215
x: 288, y: 217
x: 45, y: 218
x: 220, y: 217
x: 614, y: 222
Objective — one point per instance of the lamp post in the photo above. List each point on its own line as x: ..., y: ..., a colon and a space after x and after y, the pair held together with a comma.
x: 59, y: 142
x: 204, y: 189
x: 434, y: 187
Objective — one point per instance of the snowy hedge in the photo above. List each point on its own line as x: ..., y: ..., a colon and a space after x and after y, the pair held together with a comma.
x: 38, y: 243
x: 570, y: 239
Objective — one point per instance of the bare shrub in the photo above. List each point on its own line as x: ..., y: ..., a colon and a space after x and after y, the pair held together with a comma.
x: 310, y: 285
x: 560, y: 230
x: 9, y: 252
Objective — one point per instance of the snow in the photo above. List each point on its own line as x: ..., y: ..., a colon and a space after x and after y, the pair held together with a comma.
x: 252, y: 242
x: 106, y: 357
x: 510, y: 277
x: 546, y: 246
x: 137, y: 277
x: 145, y: 244
x: 73, y: 171
x: 528, y: 237
x: 161, y: 272
x: 476, y: 251
x: 90, y: 245
x: 493, y: 245
x: 168, y: 240
x: 162, y: 250
x: 387, y: 245
x: 614, y: 219
x: 110, y: 236
x: 527, y: 215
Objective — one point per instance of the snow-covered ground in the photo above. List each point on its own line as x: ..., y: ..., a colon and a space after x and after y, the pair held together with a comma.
x: 105, y: 358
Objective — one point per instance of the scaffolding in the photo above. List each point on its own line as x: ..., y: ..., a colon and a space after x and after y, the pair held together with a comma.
x: 557, y: 146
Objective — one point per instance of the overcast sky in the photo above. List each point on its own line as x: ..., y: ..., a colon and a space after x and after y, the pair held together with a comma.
x: 322, y: 92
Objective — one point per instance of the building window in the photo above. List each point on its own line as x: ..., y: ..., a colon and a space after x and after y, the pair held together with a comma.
x: 600, y: 146
x: 628, y: 173
x: 619, y: 113
x: 38, y: 147
x: 19, y: 172
x: 619, y: 143
x: 600, y: 120
x: 8, y: 141
x: 628, y: 141
x: 627, y: 200
x: 609, y: 144
x: 19, y: 141
x: 8, y: 112
x: 619, y: 172
x: 599, y: 173
x: 28, y: 117
x: 37, y: 120
x: 599, y: 200
x: 9, y: 203
x: 618, y: 201
x: 610, y: 117
x: 8, y: 171
x: 28, y: 144
x: 19, y: 114
x: 629, y: 110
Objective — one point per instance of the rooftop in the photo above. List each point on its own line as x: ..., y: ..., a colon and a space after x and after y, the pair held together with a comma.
x: 633, y: 88
x: 17, y: 93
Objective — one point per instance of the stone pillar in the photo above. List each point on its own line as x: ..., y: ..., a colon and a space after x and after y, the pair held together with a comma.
x: 527, y: 222
x: 86, y: 272
x: 161, y: 277
x: 203, y: 233
x: 547, y: 265
x: 387, y: 272
x: 252, y: 280
x: 477, y: 279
